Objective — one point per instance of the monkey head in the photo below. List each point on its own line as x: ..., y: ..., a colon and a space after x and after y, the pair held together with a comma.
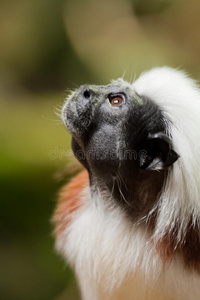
x: 121, y: 137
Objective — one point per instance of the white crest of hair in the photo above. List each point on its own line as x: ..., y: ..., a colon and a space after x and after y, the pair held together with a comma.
x: 178, y: 96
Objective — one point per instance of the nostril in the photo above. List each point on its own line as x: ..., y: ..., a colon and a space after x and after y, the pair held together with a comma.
x: 87, y: 94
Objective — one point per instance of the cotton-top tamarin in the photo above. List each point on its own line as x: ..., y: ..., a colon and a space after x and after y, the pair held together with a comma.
x: 129, y: 224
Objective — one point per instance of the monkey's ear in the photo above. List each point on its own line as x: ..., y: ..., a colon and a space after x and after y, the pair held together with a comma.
x: 159, y: 154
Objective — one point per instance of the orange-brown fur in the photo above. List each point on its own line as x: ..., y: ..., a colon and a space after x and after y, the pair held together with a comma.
x: 188, y: 248
x: 69, y: 201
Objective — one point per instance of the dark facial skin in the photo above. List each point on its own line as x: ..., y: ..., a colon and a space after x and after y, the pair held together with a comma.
x: 119, y: 136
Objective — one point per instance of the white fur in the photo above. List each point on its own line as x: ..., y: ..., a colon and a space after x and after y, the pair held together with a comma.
x: 179, y: 98
x: 116, y: 260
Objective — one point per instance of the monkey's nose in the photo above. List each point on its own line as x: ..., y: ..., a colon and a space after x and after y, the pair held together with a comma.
x: 84, y: 104
x: 87, y: 94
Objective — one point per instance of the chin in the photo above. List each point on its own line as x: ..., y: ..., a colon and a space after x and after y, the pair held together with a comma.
x: 129, y: 224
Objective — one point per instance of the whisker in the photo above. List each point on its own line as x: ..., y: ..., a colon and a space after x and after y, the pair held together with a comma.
x: 73, y: 83
x: 135, y: 75
x: 58, y: 114
x: 56, y: 121
x: 112, y: 191
x: 131, y: 77
x: 121, y: 177
x: 123, y: 195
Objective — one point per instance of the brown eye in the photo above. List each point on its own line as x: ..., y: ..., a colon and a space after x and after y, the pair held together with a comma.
x: 116, y: 100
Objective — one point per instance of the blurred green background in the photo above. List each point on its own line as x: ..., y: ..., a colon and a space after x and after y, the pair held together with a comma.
x: 48, y: 47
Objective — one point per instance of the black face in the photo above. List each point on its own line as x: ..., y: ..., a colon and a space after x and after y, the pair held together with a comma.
x: 119, y: 136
